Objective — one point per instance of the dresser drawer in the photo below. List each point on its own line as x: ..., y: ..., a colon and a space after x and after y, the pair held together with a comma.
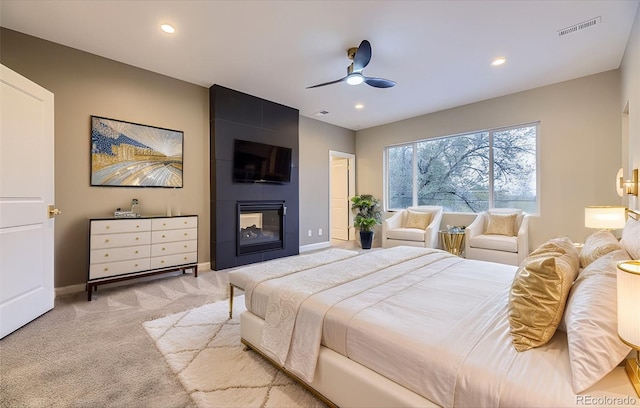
x: 174, y: 235
x: 106, y: 270
x: 116, y: 226
x: 120, y: 240
x: 161, y: 224
x: 119, y: 254
x: 173, y: 260
x: 170, y: 248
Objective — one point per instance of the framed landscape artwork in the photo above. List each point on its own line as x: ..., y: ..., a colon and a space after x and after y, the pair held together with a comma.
x: 125, y: 154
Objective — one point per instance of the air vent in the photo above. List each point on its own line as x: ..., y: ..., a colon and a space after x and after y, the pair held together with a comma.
x: 581, y: 26
x: 321, y: 113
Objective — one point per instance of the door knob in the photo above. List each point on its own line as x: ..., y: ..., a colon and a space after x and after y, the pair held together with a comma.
x: 53, y: 211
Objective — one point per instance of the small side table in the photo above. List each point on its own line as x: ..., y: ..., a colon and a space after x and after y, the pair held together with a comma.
x: 452, y: 241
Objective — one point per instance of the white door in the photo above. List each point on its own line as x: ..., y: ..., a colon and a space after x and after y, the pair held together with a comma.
x: 340, y: 198
x: 26, y: 191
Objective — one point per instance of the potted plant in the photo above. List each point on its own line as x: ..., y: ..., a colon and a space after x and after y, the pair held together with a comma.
x: 367, y: 211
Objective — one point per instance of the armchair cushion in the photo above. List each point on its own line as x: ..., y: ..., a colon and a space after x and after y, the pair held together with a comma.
x: 495, y: 242
x: 406, y: 234
x: 502, y: 224
x: 419, y: 220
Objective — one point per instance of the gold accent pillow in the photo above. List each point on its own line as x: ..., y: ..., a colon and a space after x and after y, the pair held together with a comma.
x: 419, y: 220
x: 598, y: 244
x: 539, y: 293
x: 502, y: 224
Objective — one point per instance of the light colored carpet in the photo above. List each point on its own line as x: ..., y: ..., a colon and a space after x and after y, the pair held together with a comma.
x: 202, y: 347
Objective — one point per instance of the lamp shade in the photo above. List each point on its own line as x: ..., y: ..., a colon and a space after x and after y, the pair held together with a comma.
x: 604, y: 217
x: 629, y: 303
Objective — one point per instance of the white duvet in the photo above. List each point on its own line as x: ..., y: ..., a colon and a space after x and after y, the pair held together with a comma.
x: 432, y: 322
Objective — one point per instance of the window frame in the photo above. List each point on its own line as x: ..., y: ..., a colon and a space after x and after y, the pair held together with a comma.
x: 491, y: 133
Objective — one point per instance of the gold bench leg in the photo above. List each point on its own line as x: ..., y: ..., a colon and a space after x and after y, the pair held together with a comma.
x: 230, y: 301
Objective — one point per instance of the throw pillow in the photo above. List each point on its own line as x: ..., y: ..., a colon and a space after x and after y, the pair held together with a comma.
x: 539, y: 293
x: 631, y: 238
x: 502, y: 224
x: 598, y: 244
x: 419, y: 220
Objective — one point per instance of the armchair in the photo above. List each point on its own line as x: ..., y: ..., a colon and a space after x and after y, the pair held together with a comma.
x: 406, y: 227
x: 506, y: 241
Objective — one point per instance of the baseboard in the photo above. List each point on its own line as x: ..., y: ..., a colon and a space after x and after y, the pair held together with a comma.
x: 313, y: 247
x: 82, y: 287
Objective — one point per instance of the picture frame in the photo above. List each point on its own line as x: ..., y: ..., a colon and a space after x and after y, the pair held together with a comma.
x: 127, y: 154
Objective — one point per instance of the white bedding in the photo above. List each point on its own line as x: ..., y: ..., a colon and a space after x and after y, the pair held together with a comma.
x: 434, y: 323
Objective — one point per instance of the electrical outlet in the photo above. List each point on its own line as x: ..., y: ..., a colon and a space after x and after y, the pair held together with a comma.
x: 319, y: 231
x: 309, y: 233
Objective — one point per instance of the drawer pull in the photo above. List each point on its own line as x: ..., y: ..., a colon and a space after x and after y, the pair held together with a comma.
x: 106, y: 269
x: 164, y: 224
x: 185, y: 223
x: 163, y: 249
x: 185, y: 246
x: 185, y: 234
x: 137, y: 226
x: 108, y: 227
x: 136, y: 253
x: 136, y: 265
x: 106, y: 240
x: 185, y: 258
x: 162, y: 261
x: 163, y: 236
x: 137, y: 238
x: 106, y: 255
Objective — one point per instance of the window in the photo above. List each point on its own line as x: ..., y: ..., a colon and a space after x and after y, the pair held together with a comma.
x: 466, y: 173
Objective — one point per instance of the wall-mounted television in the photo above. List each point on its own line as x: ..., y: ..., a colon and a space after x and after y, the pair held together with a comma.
x: 260, y: 163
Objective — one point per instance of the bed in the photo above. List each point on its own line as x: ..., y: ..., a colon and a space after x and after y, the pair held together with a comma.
x: 411, y: 327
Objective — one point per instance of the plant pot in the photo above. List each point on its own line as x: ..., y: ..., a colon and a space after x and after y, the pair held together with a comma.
x: 366, y: 238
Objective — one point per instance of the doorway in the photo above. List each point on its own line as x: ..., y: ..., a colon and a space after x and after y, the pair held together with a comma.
x: 341, y: 189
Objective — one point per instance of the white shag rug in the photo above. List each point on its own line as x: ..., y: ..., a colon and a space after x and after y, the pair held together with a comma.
x: 202, y: 347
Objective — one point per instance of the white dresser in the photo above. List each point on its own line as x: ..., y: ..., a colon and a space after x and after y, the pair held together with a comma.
x: 128, y: 248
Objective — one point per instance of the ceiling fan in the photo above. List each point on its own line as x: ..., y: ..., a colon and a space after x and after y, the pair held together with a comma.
x: 360, y: 57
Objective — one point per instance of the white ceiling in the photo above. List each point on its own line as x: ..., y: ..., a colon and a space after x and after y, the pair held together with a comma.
x: 439, y: 52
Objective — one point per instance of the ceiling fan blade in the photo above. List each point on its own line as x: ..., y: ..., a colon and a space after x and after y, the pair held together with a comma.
x: 327, y: 83
x: 379, y: 82
x: 362, y: 57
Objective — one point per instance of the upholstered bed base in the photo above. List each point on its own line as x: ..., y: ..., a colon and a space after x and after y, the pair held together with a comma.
x: 340, y: 381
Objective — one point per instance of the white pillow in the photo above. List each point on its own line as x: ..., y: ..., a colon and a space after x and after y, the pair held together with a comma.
x: 631, y: 238
x: 598, y: 244
x: 591, y: 321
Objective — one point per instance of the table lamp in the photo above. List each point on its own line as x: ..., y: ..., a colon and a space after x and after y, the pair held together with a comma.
x: 604, y: 217
x: 629, y: 315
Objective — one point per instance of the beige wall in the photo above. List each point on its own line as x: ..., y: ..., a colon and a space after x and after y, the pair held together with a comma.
x: 316, y: 139
x: 579, y: 147
x: 84, y: 85
x: 630, y: 73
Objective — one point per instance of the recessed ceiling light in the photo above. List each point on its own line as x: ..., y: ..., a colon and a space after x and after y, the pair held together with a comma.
x: 498, y: 61
x: 359, y: 106
x: 168, y: 28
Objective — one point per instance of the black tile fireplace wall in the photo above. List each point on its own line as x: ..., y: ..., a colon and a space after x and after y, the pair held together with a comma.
x: 236, y: 115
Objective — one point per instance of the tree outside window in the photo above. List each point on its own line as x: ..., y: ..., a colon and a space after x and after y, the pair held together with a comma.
x: 466, y: 173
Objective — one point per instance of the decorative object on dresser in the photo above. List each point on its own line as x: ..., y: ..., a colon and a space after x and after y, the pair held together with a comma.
x: 629, y: 315
x: 123, y: 249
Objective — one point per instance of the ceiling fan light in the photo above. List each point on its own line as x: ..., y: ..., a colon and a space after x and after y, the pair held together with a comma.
x: 355, y: 79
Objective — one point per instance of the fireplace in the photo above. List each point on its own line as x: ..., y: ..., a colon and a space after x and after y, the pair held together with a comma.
x: 260, y: 226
